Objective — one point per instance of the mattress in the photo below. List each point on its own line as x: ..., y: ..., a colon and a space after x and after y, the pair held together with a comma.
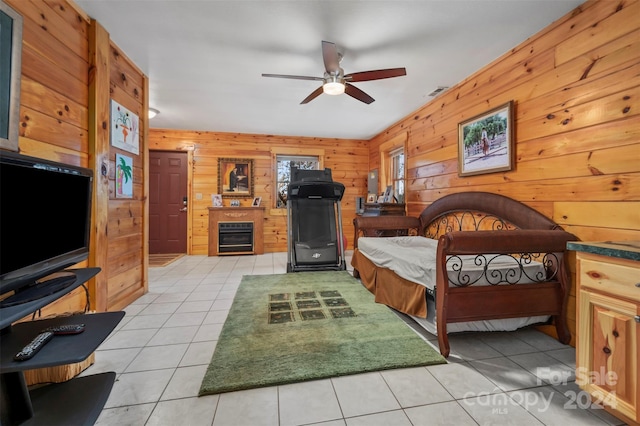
x: 414, y: 259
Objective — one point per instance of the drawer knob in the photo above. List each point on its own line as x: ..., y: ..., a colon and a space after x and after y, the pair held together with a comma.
x: 606, y: 350
x: 638, y: 285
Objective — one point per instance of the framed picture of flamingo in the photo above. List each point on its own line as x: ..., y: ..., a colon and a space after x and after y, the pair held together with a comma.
x: 125, y: 128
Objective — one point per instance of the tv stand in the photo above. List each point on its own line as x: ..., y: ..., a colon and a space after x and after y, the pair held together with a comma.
x: 77, y: 401
x: 39, y: 289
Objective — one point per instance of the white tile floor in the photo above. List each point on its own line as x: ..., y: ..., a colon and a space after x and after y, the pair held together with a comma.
x: 162, y: 347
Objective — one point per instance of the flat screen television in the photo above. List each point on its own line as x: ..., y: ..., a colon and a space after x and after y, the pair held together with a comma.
x: 45, y: 220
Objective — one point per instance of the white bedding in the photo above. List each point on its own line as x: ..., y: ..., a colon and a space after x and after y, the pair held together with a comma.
x: 414, y: 259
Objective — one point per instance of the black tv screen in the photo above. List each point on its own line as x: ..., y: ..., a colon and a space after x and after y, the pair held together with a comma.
x: 45, y: 218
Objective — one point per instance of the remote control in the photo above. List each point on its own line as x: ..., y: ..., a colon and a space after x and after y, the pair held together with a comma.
x: 65, y: 329
x: 34, y: 346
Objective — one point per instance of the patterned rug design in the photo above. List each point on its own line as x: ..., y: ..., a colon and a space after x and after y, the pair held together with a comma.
x: 307, y: 305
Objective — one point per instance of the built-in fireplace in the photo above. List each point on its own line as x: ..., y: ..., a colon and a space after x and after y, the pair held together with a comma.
x: 235, y: 237
x: 236, y: 230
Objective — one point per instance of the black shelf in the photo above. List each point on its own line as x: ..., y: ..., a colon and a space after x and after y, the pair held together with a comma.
x: 78, y: 401
x: 60, y: 350
x: 12, y: 314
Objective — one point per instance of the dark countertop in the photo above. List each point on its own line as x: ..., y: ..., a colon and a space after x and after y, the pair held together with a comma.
x: 622, y: 249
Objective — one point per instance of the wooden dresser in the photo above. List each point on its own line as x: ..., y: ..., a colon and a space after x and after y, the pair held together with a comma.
x: 608, y: 286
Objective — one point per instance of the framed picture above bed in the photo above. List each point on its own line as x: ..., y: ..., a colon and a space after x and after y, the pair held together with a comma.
x: 485, y: 142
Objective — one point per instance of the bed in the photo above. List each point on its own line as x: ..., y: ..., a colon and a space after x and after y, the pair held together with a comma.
x: 471, y: 261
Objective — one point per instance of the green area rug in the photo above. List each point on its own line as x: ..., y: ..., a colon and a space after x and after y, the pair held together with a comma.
x: 305, y: 326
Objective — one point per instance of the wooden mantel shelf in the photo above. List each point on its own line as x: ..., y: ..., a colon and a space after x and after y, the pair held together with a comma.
x: 236, y: 214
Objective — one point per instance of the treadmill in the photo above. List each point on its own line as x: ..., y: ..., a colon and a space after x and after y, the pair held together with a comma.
x: 314, y: 222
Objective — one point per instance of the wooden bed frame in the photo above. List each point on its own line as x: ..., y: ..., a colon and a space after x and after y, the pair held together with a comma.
x: 474, y: 223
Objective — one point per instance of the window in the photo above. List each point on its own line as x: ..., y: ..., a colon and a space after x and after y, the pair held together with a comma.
x: 397, y: 173
x: 284, y: 163
x: 392, y: 165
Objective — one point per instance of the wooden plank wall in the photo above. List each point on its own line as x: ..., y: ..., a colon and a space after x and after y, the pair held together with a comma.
x: 127, y: 235
x: 347, y: 159
x: 576, y: 91
x: 55, y: 119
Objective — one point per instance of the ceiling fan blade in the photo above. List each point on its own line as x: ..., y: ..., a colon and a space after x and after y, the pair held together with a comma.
x: 375, y: 75
x: 295, y: 77
x: 312, y: 96
x: 330, y: 57
x: 354, y: 92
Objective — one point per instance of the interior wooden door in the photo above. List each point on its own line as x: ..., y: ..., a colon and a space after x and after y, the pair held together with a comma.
x: 168, y: 202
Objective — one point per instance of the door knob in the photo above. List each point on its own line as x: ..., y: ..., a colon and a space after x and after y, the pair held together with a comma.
x: 184, y: 209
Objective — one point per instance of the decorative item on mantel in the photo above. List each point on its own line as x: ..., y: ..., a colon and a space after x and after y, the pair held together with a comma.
x: 235, y: 203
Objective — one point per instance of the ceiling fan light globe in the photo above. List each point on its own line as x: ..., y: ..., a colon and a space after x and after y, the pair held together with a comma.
x: 333, y: 88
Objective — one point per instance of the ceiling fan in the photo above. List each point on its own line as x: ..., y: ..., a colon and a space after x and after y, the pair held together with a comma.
x: 335, y: 82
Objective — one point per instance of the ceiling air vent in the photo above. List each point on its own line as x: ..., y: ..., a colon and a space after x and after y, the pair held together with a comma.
x: 439, y: 90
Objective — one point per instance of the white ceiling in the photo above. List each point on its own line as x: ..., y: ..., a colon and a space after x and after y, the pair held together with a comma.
x: 204, y: 58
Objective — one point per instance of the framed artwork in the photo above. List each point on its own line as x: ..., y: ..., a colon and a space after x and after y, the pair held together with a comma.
x: 235, y: 203
x: 371, y: 198
x: 10, y: 69
x: 485, y: 142
x: 256, y: 202
x: 124, y: 176
x: 125, y: 129
x: 216, y: 200
x: 388, y: 195
x: 235, y: 178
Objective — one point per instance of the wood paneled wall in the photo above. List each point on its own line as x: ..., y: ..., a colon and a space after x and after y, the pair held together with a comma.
x: 63, y: 113
x: 127, y: 221
x: 348, y: 160
x: 575, y: 86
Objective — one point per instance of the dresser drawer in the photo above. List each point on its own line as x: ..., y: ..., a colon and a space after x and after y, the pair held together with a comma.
x: 618, y: 277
